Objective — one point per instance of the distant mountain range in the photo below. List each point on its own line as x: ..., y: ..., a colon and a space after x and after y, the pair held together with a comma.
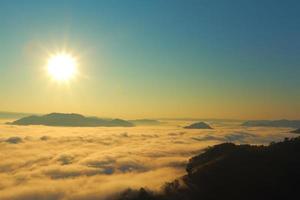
x: 149, y: 122
x: 70, y: 120
x: 198, y: 125
x: 273, y: 123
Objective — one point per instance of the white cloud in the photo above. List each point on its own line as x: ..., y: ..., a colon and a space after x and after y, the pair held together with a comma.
x: 39, y: 162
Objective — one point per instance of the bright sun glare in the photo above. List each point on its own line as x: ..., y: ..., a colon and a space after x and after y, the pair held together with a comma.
x: 62, y: 66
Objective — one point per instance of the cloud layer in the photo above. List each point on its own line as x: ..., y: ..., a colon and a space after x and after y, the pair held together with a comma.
x: 38, y: 162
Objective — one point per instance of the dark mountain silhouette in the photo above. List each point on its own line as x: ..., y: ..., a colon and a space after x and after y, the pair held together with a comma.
x: 75, y: 120
x: 274, y: 123
x: 296, y: 131
x: 228, y: 171
x: 198, y: 125
x: 145, y: 122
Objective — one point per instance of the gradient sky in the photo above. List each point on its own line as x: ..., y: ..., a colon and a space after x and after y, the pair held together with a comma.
x: 168, y: 58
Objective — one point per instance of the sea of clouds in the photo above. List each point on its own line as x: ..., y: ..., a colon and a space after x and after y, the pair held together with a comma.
x: 40, y: 162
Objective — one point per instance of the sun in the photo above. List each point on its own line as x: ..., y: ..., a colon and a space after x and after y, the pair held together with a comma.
x: 62, y: 66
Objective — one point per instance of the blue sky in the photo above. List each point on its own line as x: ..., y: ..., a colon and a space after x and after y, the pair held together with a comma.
x: 228, y: 59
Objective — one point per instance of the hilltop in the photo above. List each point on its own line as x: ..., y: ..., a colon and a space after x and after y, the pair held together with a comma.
x: 296, y: 131
x: 229, y: 171
x: 273, y: 123
x: 70, y: 120
x: 198, y: 125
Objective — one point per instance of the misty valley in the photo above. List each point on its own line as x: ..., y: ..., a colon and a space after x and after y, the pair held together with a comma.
x: 136, y: 162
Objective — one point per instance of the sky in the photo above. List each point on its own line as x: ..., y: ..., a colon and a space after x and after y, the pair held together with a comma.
x: 153, y: 59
